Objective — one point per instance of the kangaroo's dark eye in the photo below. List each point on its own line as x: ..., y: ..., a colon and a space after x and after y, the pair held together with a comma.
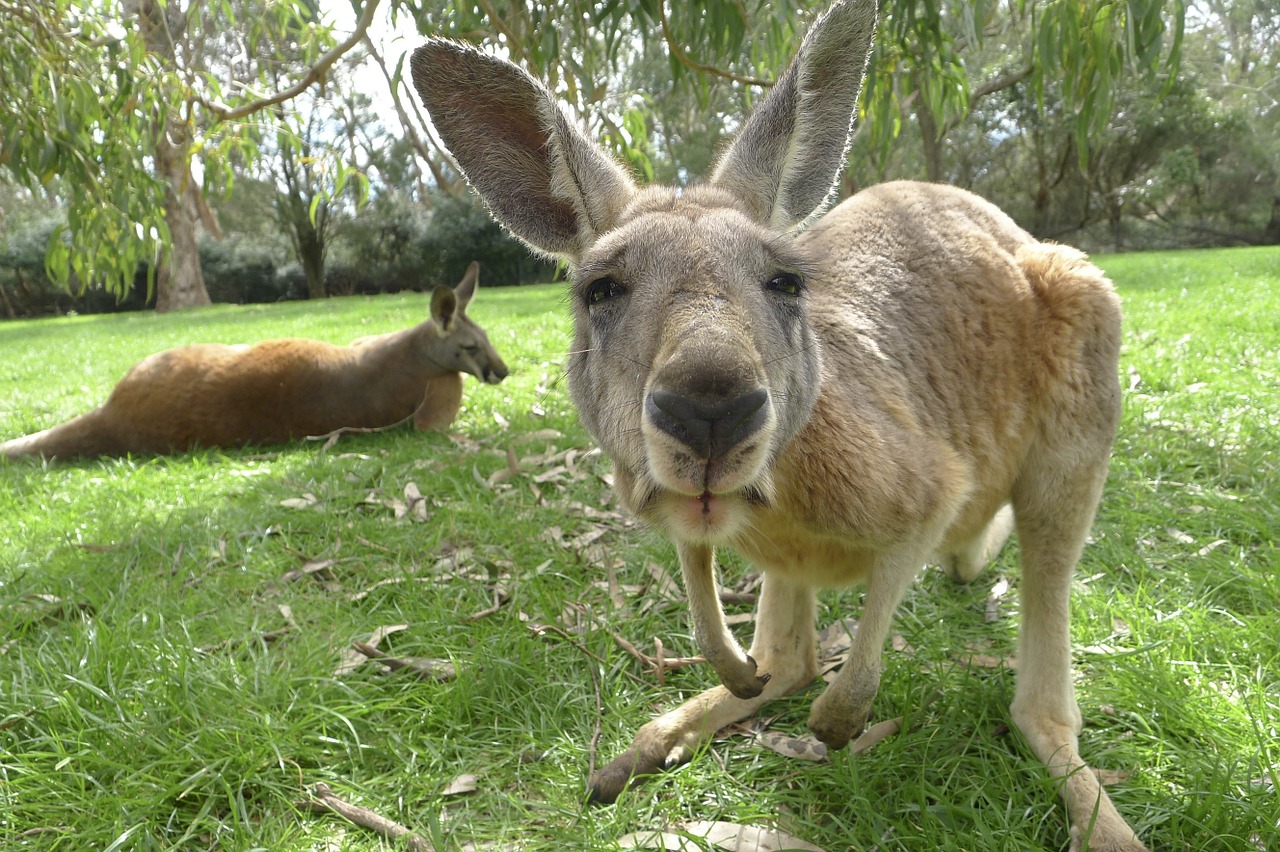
x: 603, y: 289
x: 786, y: 283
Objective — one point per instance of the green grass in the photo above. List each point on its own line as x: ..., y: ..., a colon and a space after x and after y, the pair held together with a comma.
x: 163, y: 686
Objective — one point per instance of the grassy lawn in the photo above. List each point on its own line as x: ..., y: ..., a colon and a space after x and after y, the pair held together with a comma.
x: 176, y: 665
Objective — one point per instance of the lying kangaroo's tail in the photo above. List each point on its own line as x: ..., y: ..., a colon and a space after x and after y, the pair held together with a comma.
x: 81, y: 437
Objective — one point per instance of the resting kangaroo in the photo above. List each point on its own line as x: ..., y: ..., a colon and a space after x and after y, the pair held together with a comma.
x: 214, y: 395
x: 905, y: 379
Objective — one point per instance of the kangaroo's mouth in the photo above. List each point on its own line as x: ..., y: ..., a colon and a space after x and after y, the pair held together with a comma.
x: 710, y: 517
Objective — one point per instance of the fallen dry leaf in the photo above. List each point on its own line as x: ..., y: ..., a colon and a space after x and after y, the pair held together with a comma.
x: 306, y: 501
x: 876, y: 734
x: 353, y: 659
x: 417, y: 503
x: 537, y: 435
x: 837, y: 637
x: 425, y: 668
x: 461, y: 785
x: 805, y: 747
x: 1108, y: 777
x: 986, y: 661
x: 314, y: 566
x: 663, y: 586
x: 698, y: 834
x: 1211, y: 547
x: 994, y: 597
x: 43, y: 608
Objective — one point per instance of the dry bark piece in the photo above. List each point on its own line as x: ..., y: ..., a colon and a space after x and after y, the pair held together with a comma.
x: 323, y: 800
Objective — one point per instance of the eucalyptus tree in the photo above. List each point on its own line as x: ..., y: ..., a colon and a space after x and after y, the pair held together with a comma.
x: 929, y: 67
x: 116, y: 106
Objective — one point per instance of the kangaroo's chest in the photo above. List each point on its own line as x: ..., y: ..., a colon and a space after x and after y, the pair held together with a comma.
x: 804, y: 555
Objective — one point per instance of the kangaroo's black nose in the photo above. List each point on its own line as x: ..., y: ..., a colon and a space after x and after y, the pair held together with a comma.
x: 711, y: 426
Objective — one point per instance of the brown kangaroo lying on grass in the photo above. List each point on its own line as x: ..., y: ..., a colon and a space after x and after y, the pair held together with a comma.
x: 214, y: 395
x: 904, y: 380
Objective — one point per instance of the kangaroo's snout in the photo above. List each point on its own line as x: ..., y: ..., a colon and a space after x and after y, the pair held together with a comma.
x: 495, y: 373
x: 709, y: 426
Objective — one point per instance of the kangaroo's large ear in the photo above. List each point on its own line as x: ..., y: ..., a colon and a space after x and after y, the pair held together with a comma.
x: 444, y: 304
x: 465, y: 289
x: 540, y: 175
x: 790, y: 153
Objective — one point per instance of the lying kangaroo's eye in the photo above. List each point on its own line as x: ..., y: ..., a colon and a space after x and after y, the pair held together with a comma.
x: 787, y: 283
x: 603, y: 289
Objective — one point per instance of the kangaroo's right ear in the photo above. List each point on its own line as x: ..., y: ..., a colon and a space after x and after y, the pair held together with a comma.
x: 465, y: 289
x: 540, y: 175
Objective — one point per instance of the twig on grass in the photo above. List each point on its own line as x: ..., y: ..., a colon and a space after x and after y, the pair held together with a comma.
x: 543, y: 629
x: 437, y: 670
x: 498, y: 600
x: 331, y: 438
x: 325, y: 801
x: 47, y: 829
x: 595, y: 734
x: 659, y: 664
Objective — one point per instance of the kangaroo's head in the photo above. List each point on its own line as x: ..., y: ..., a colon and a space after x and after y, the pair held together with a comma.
x: 457, y: 343
x: 694, y: 361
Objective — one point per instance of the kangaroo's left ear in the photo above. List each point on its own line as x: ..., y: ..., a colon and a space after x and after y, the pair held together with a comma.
x: 444, y: 305
x: 790, y: 152
x: 465, y: 289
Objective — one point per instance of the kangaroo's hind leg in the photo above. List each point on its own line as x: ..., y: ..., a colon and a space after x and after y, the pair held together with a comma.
x: 1054, y: 505
x: 965, y: 562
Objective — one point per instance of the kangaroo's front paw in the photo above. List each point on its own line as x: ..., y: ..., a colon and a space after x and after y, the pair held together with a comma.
x: 739, y: 677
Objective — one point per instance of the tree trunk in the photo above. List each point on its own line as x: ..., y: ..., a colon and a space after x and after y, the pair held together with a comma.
x: 931, y: 143
x: 311, y: 256
x: 179, y: 280
x: 1271, y: 234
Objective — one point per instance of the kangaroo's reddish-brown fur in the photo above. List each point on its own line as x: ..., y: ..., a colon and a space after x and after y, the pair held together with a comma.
x: 216, y: 395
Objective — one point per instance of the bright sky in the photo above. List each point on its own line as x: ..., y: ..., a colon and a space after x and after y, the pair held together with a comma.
x: 392, y: 42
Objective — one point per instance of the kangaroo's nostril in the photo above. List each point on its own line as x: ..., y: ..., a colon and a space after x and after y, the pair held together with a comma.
x: 707, y: 425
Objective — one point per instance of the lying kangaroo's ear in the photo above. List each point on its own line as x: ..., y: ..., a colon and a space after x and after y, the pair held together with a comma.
x: 465, y: 289
x: 443, y: 306
x: 540, y: 175
x: 790, y: 153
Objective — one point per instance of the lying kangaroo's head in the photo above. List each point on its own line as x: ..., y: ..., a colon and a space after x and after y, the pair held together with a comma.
x: 458, y: 344
x: 694, y: 361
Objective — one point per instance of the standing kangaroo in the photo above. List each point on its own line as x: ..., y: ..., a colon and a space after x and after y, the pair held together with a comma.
x: 215, y: 395
x: 905, y: 379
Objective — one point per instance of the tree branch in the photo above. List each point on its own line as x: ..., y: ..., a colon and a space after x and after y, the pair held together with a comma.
x: 415, y: 139
x: 995, y: 84
x: 683, y: 58
x: 314, y: 73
